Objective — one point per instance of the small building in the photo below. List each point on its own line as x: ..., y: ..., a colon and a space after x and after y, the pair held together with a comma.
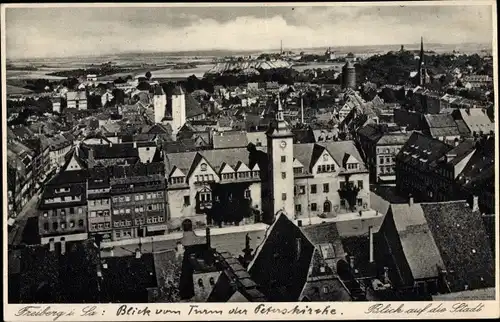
x: 76, y: 100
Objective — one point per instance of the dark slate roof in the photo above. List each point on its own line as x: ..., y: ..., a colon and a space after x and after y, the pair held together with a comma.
x: 69, y: 177
x: 463, y: 243
x: 421, y: 147
x: 110, y: 151
x: 279, y: 250
x: 192, y: 107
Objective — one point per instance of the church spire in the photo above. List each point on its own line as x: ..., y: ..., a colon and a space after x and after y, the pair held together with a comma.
x: 421, y: 51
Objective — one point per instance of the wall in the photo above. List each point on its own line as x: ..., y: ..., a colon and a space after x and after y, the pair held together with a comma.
x: 54, y: 216
x: 178, y: 111
x: 278, y: 184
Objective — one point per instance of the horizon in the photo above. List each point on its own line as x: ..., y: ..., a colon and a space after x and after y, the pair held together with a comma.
x: 203, y: 52
x: 59, y: 32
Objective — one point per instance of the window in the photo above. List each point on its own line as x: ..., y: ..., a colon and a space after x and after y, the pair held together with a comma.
x: 55, y: 226
x: 116, y: 212
x: 200, y: 282
x: 71, y: 224
x: 314, y: 206
x: 283, y: 196
x: 63, y: 213
x: 212, y: 281
x: 154, y: 219
x: 360, y: 202
x: 313, y: 188
x: 46, y: 226
x: 160, y: 219
x: 148, y: 220
x: 159, y: 194
x: 122, y: 198
x: 122, y: 211
x: 91, y: 202
x: 203, y: 167
x: 136, y: 197
x: 94, y: 226
x: 80, y: 223
x: 45, y: 214
x: 387, y: 159
x: 177, y: 180
x: 352, y: 166
x: 298, y: 208
x: 118, y: 234
x: 247, y: 194
x: 360, y: 184
x: 381, y: 160
x: 92, y: 214
x: 106, y: 213
x: 205, y: 196
x: 128, y: 222
x: 283, y: 159
x: 116, y: 224
x: 141, y: 197
x: 100, y: 226
x: 107, y: 225
x: 326, y: 289
x: 302, y: 190
x: 80, y: 211
x: 297, y: 170
x: 115, y: 199
x: 283, y: 175
x: 127, y: 198
x: 326, y: 187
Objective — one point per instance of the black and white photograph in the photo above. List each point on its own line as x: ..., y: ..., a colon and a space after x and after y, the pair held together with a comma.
x: 263, y: 153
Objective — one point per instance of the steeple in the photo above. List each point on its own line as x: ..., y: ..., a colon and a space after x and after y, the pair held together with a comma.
x: 422, y: 71
x: 421, y: 51
x: 279, y: 127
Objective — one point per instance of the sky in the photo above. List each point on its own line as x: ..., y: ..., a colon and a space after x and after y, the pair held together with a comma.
x: 65, y: 32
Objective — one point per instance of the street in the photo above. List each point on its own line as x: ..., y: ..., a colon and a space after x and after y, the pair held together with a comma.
x: 28, y: 211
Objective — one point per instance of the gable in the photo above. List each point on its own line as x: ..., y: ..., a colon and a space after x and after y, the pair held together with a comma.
x: 242, y: 167
x: 176, y: 172
x: 73, y: 164
x: 297, y: 164
x: 324, y: 161
x: 202, y: 169
x: 226, y: 168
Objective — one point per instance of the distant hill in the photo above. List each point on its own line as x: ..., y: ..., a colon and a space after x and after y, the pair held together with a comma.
x: 224, y: 67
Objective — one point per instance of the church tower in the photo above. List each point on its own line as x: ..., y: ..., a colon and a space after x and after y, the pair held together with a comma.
x: 159, y: 103
x: 178, y: 109
x: 280, y: 153
x: 422, y: 71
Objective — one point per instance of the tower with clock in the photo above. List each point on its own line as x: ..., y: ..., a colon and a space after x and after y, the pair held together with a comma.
x: 280, y: 153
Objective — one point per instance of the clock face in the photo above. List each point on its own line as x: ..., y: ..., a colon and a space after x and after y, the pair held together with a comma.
x: 283, y: 144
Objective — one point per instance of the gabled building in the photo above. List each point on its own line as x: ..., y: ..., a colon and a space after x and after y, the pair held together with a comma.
x: 436, y: 247
x: 76, y: 100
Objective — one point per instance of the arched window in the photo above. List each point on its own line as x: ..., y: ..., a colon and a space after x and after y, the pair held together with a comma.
x: 203, y: 167
x: 327, y: 206
x: 200, y: 282
x: 212, y: 281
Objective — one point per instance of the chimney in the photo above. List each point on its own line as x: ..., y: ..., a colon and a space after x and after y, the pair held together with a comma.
x: 63, y: 247
x: 386, y: 275
x: 135, y: 145
x: 91, y: 159
x: 302, y: 110
x: 403, y: 129
x: 52, y: 246
x: 208, y: 237
x: 370, y: 232
x: 351, y: 261
x: 298, y: 245
x: 410, y: 200
x: 475, y: 203
x: 138, y: 254
x: 110, y: 143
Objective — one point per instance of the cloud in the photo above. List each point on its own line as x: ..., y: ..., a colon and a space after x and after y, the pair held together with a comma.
x: 58, y: 32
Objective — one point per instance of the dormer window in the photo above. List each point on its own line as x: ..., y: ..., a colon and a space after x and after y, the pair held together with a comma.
x: 352, y: 166
x: 298, y: 170
x: 203, y: 167
x: 177, y: 180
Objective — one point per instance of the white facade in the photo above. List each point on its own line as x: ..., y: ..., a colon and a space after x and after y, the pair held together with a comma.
x: 160, y: 104
x: 178, y: 111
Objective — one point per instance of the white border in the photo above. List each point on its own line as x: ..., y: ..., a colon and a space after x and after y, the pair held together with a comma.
x: 107, y: 312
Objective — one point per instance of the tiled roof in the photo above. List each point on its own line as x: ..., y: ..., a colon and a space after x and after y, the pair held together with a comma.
x: 477, y: 120
x: 419, y: 247
x: 463, y: 243
x: 230, y: 139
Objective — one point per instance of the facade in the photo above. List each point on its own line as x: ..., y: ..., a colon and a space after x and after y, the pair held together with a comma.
x: 178, y: 109
x: 99, y: 203
x: 63, y: 208
x: 137, y: 196
x: 380, y: 146
x: 76, y: 100
x: 159, y: 104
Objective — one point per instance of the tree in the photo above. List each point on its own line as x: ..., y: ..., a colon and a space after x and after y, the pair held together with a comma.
x: 349, y: 192
x: 148, y: 75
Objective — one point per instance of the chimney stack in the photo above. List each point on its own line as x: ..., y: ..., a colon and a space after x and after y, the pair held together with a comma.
x: 63, y: 247
x: 138, y: 254
x: 52, y: 246
x: 475, y: 203
x: 410, y: 200
x: 208, y: 237
x: 351, y: 261
x: 370, y: 232
x: 403, y: 129
x: 298, y: 244
x: 386, y: 275
x: 135, y: 145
